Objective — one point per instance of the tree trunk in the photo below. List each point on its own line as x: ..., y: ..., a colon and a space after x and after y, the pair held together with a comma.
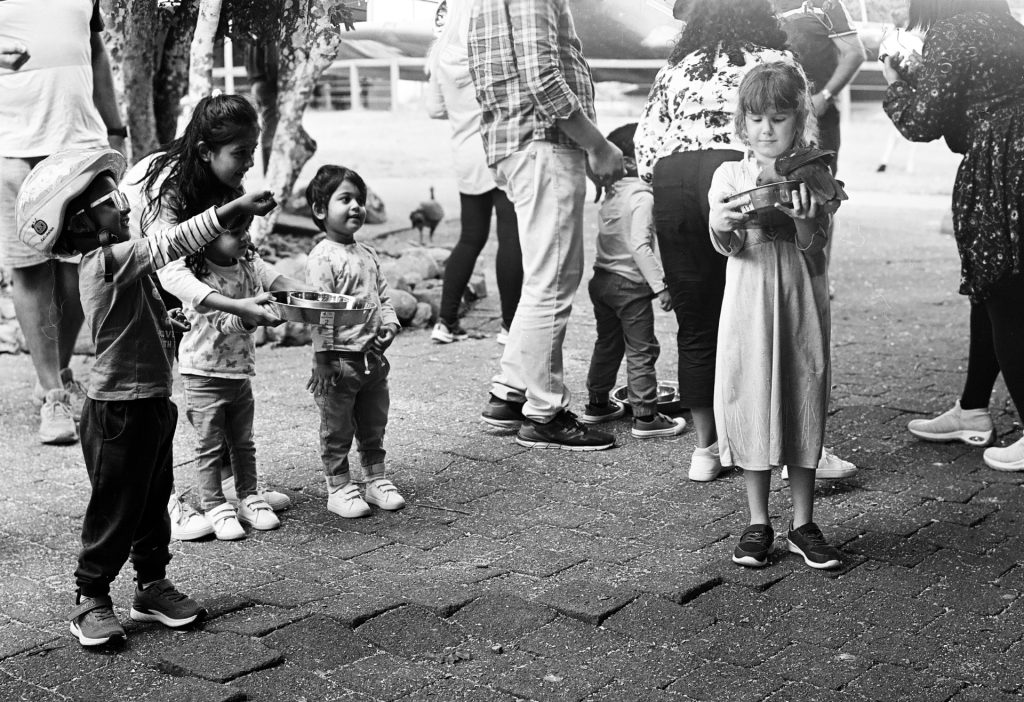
x: 308, y: 41
x: 170, y: 83
x: 200, y: 73
x: 130, y: 28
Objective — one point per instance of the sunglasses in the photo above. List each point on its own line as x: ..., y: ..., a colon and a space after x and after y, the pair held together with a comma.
x: 116, y: 198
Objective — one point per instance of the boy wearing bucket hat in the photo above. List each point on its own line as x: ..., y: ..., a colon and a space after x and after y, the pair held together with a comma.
x: 70, y: 204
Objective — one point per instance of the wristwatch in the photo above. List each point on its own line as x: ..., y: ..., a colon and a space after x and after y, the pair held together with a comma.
x: 827, y: 94
x: 118, y: 132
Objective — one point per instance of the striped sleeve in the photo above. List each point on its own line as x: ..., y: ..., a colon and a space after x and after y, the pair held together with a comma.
x: 182, y: 239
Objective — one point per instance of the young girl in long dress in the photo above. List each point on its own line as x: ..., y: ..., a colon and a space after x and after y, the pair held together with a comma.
x: 773, y: 366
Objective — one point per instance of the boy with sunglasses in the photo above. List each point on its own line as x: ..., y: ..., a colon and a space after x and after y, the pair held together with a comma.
x: 70, y: 204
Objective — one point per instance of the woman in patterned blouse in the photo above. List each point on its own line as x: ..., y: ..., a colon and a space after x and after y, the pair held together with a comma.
x: 684, y: 134
x: 968, y: 87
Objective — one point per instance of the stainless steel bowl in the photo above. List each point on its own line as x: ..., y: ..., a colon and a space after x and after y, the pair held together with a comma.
x: 764, y: 197
x: 668, y: 397
x: 320, y: 308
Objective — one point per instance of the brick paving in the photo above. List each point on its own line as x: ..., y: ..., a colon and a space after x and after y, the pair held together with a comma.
x: 544, y: 575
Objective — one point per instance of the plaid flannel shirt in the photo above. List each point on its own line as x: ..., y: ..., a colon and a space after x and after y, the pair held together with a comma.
x: 528, y: 68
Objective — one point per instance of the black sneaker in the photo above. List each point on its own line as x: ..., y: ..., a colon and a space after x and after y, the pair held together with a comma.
x: 564, y: 432
x: 161, y: 602
x: 757, y: 542
x: 93, y: 621
x: 810, y: 543
x: 596, y: 414
x: 502, y: 413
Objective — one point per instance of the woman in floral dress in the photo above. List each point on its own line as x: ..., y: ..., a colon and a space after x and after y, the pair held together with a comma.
x: 684, y: 134
x: 968, y: 87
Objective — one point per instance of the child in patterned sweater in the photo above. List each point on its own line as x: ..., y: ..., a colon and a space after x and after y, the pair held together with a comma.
x: 350, y: 373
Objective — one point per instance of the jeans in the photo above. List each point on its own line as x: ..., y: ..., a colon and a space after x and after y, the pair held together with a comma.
x: 547, y: 184
x: 127, y: 450
x: 997, y: 345
x: 694, y: 271
x: 476, y: 225
x: 355, y: 407
x: 625, y: 325
x: 221, y: 411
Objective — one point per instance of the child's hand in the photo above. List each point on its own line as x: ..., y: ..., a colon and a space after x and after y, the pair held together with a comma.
x: 805, y: 206
x: 665, y: 300
x: 726, y: 216
x: 259, y: 311
x: 385, y: 335
x: 325, y: 375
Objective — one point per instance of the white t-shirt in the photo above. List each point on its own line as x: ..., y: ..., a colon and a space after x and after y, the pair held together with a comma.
x: 46, y: 105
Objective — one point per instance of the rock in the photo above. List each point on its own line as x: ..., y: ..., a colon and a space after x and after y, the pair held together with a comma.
x: 476, y: 289
x: 431, y: 296
x: 440, y: 255
x: 11, y: 340
x: 416, y: 261
x: 404, y: 304
x: 293, y: 266
x: 6, y: 306
x: 424, y: 316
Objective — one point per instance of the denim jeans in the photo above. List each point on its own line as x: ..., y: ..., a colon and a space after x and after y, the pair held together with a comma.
x: 547, y: 184
x: 127, y: 450
x: 625, y: 326
x: 221, y: 411
x: 355, y: 407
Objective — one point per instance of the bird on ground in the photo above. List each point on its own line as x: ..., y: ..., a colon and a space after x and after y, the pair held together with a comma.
x: 428, y: 214
x: 809, y: 165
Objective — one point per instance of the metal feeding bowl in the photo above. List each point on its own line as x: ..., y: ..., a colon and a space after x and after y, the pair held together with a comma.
x: 764, y: 197
x: 321, y: 308
x: 668, y: 397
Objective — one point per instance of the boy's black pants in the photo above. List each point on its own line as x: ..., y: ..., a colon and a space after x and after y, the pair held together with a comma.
x: 127, y: 448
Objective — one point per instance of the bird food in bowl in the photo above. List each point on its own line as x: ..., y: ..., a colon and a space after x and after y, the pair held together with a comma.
x: 321, y: 308
x: 668, y: 397
x: 764, y: 197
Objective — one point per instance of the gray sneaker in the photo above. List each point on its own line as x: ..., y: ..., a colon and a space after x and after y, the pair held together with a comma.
x: 161, y: 602
x: 56, y: 418
x: 74, y: 388
x: 93, y: 621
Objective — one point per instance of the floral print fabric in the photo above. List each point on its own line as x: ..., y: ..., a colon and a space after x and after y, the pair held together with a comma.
x: 686, y: 113
x: 970, y: 91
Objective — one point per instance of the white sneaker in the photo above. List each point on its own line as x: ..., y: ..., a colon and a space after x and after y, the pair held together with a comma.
x: 444, y: 334
x: 705, y: 464
x: 830, y: 467
x: 973, y: 427
x: 186, y: 523
x: 502, y: 337
x: 346, y: 502
x: 383, y: 493
x: 1007, y: 458
x: 225, y: 522
x: 56, y: 419
x: 255, y: 512
x: 278, y: 501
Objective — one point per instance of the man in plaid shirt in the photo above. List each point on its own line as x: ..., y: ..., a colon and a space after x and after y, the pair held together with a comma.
x: 537, y: 100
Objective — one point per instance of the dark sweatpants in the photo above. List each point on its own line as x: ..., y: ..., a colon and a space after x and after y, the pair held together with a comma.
x: 127, y: 448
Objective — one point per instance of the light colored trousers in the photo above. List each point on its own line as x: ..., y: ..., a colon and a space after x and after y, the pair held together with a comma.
x: 547, y: 184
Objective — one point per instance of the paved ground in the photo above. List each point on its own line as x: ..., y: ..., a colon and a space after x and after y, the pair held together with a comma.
x: 518, y: 574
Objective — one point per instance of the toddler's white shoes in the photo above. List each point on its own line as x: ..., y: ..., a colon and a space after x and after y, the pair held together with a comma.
x: 277, y: 500
x: 383, y: 493
x: 255, y: 512
x: 705, y: 463
x: 225, y: 522
x: 1008, y: 458
x: 186, y: 523
x: 346, y: 502
x: 973, y: 427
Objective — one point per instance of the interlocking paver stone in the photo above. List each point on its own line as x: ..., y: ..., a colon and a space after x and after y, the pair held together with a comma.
x: 588, y: 601
x: 318, y: 644
x: 412, y: 632
x: 654, y: 619
x: 502, y: 619
x: 216, y: 657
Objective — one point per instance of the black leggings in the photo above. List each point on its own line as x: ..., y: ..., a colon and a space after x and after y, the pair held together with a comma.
x: 997, y: 345
x: 476, y: 225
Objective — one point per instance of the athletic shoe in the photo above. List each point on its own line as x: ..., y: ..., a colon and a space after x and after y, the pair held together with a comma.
x: 1008, y: 458
x: 447, y: 333
x: 74, y: 388
x: 278, y: 501
x: 596, y: 414
x: 809, y: 542
x: 384, y: 494
x: 757, y: 542
x: 255, y: 512
x: 830, y: 467
x: 93, y: 621
x: 505, y: 414
x: 502, y: 337
x: 224, y: 519
x: 186, y: 523
x: 161, y: 602
x: 346, y: 502
x: 563, y: 431
x: 973, y: 427
x: 705, y: 464
x: 56, y: 418
x: 660, y: 425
